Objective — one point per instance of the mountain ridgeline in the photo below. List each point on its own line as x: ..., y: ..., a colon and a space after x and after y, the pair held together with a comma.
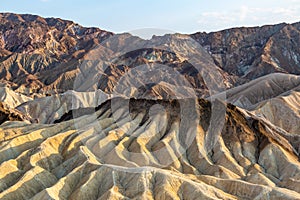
x: 45, y: 55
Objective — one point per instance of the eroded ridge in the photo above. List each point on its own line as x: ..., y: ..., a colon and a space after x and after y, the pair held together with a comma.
x: 110, y: 153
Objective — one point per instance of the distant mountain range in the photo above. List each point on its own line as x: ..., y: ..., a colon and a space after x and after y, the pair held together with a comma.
x: 31, y: 47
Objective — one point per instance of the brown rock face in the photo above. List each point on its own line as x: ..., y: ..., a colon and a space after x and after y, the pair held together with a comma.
x: 32, y: 47
x: 253, y: 52
x: 56, y: 37
x: 46, y: 55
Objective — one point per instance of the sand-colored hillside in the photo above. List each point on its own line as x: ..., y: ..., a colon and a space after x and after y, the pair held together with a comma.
x: 127, y: 151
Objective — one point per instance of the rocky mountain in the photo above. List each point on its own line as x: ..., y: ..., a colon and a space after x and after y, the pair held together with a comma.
x: 283, y: 111
x: 253, y: 52
x: 249, y: 95
x: 47, y: 55
x: 33, y: 48
x: 88, y: 114
x: 274, y: 97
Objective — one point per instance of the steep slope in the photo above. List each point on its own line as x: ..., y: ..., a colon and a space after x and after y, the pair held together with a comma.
x: 148, y: 152
x: 52, y: 37
x: 51, y: 55
x: 127, y: 65
x: 274, y: 97
x: 48, y: 55
x: 49, y: 109
x: 283, y: 111
x: 9, y: 114
x: 9, y: 100
x: 12, y: 98
x: 256, y: 51
x: 32, y: 45
x: 248, y: 95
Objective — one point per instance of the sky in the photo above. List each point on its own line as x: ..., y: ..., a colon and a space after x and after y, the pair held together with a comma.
x: 183, y: 16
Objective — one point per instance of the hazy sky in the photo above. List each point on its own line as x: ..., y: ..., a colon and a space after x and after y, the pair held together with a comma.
x: 185, y: 16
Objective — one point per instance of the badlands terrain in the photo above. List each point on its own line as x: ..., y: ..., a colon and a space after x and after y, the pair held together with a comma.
x: 89, y: 114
